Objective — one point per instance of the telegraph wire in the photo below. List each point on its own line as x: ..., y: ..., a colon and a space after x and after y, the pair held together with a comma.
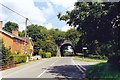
x: 56, y: 15
x: 15, y: 12
x: 28, y: 19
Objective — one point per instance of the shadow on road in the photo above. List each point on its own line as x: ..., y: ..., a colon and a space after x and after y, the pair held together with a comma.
x: 67, y: 72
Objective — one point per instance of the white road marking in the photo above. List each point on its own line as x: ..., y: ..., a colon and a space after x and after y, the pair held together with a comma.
x: 77, y: 66
x: 46, y: 69
x: 25, y: 68
x: 82, y: 67
x: 1, y: 75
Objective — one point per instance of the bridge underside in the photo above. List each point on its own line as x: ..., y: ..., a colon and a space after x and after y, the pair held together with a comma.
x: 61, y: 50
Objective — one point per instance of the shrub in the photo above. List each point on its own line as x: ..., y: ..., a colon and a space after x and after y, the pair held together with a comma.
x: 20, y: 58
x: 5, y: 58
x: 41, y: 52
x: 68, y: 54
x: 46, y: 54
x: 43, y: 55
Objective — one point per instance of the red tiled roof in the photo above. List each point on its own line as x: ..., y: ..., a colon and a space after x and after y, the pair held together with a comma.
x: 11, y: 35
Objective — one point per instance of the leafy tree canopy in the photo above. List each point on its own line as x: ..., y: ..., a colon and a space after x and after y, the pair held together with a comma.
x: 9, y: 26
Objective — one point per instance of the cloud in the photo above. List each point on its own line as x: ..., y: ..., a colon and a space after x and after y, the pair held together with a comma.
x: 26, y: 8
x: 48, y: 10
x: 66, y: 28
x: 35, y: 14
x: 49, y: 26
x: 64, y: 3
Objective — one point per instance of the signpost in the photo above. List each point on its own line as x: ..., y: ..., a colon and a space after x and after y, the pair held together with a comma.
x: 84, y: 50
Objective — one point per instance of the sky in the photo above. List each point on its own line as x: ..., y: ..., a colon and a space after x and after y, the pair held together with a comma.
x: 41, y: 12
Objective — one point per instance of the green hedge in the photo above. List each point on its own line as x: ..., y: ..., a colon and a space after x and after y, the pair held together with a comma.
x: 46, y: 55
x: 20, y: 58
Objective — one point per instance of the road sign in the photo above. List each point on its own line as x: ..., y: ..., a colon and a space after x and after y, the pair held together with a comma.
x: 84, y: 47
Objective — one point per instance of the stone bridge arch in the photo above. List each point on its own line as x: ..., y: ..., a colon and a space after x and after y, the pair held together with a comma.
x: 62, y: 45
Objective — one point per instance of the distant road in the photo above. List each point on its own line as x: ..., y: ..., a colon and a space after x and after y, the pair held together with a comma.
x: 64, y: 67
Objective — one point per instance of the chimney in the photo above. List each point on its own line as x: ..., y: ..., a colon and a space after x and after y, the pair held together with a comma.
x: 15, y: 32
x: 0, y: 25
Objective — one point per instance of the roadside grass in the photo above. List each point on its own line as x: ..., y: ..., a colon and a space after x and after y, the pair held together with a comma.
x: 80, y: 58
x: 103, y: 71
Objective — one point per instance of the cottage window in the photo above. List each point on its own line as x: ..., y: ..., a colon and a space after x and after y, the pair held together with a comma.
x: 16, y: 41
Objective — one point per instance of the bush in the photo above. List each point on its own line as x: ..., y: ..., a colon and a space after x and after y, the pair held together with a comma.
x: 41, y: 52
x: 68, y: 54
x: 5, y: 58
x: 46, y: 54
x: 20, y: 58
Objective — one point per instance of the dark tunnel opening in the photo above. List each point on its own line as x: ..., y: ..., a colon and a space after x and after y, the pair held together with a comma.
x: 67, y: 50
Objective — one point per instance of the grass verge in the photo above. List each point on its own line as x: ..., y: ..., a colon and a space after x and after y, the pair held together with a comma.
x: 103, y: 71
x: 88, y: 59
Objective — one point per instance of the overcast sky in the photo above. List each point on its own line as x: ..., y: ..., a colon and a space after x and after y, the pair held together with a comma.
x: 41, y: 12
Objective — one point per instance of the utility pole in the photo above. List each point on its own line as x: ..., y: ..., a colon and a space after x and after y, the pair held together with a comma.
x: 25, y: 35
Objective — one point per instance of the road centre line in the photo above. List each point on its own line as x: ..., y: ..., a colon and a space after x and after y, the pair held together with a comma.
x: 46, y: 69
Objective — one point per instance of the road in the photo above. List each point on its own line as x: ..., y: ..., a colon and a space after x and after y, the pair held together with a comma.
x: 63, y: 67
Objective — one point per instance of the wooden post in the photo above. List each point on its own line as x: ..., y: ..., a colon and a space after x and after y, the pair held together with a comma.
x: 25, y: 34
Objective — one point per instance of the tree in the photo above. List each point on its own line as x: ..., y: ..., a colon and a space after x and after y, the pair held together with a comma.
x: 93, y: 20
x: 43, y: 39
x: 21, y: 34
x: 6, y: 56
x: 40, y: 52
x: 73, y: 35
x: 58, y: 36
x: 9, y: 26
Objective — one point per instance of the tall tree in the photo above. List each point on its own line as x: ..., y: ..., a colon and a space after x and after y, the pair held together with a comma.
x: 73, y: 35
x: 9, y: 26
x: 93, y: 20
x: 42, y: 38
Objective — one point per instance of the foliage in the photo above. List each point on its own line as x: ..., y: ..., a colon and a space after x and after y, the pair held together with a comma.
x: 73, y: 35
x: 57, y: 35
x: 21, y: 33
x: 68, y: 53
x: 19, y: 58
x: 98, y: 24
x: 9, y: 26
x: 5, y: 54
x: 103, y: 71
x: 87, y: 59
x: 46, y: 54
x: 44, y: 39
x: 40, y: 52
x: 6, y: 61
